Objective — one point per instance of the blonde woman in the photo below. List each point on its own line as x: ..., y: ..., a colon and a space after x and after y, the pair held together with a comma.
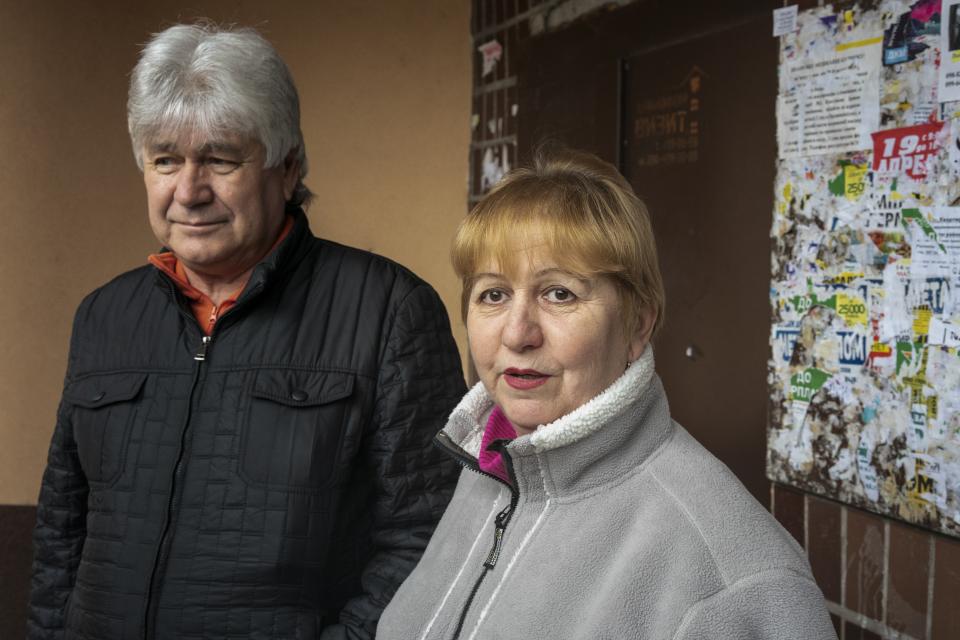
x: 583, y: 510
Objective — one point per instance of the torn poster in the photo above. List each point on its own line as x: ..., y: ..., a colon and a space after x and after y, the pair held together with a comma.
x: 492, y: 52
x: 829, y: 104
x: 908, y: 36
x: 935, y: 241
x: 864, y: 374
x: 949, y: 79
x: 907, y: 149
x: 496, y: 163
x: 784, y: 20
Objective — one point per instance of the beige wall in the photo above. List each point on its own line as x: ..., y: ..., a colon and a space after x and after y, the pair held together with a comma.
x: 385, y: 91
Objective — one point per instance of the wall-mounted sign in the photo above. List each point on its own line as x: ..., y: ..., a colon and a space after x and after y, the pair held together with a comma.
x: 666, y: 125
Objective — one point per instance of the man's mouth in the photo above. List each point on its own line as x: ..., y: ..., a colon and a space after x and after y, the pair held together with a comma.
x: 200, y: 223
x: 199, y: 226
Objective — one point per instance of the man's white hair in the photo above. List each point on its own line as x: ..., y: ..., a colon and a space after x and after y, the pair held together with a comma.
x: 213, y: 81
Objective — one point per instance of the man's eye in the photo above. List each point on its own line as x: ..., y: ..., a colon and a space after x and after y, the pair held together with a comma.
x: 222, y: 165
x: 559, y: 295
x: 165, y: 164
x: 492, y: 296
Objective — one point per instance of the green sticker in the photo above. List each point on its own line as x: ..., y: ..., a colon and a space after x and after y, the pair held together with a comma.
x: 914, y: 214
x: 802, y: 304
x: 904, y: 354
x: 837, y: 186
x: 805, y: 384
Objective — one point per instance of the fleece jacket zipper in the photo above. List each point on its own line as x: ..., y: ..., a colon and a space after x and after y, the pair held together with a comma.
x: 467, y: 461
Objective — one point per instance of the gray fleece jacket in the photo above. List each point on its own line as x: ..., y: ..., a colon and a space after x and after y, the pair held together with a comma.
x: 620, y: 526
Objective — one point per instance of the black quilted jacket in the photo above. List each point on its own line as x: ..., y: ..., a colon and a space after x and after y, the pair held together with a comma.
x: 275, y: 482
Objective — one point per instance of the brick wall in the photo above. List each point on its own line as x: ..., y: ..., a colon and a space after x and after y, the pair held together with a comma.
x: 881, y: 578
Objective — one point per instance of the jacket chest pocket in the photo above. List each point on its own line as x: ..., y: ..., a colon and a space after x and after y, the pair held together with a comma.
x: 293, y: 429
x: 104, y: 407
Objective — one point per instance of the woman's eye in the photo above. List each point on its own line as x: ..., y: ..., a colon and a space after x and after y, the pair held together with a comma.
x: 492, y: 296
x: 559, y: 294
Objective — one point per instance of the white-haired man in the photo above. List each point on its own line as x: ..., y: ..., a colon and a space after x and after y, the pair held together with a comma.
x: 242, y: 449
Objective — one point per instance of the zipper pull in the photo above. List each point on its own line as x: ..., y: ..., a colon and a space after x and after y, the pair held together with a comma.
x: 501, y: 525
x: 201, y: 354
x: 494, y: 554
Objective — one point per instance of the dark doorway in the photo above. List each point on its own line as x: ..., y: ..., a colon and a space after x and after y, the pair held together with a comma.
x: 685, y: 107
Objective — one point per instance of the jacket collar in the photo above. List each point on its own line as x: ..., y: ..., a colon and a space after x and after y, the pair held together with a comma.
x: 611, y: 435
x: 276, y: 263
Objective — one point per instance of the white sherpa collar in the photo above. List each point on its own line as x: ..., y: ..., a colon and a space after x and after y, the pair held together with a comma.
x: 576, y: 425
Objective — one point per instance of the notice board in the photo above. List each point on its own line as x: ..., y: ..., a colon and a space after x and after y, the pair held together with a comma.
x: 864, y: 373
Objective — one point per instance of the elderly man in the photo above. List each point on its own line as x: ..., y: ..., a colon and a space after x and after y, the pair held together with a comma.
x: 243, y: 445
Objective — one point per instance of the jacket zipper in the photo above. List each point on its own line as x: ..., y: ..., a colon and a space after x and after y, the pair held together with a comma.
x: 444, y: 442
x: 176, y: 488
x: 176, y: 484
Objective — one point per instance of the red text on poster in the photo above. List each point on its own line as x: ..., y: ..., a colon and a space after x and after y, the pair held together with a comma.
x: 906, y: 150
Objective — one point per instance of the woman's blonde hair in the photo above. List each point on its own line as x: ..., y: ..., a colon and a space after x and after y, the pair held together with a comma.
x: 585, y: 214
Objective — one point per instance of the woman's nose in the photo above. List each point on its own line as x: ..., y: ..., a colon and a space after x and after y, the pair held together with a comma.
x: 522, y: 331
x: 193, y: 187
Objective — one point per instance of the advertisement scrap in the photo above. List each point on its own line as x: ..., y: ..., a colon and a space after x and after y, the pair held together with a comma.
x: 864, y: 372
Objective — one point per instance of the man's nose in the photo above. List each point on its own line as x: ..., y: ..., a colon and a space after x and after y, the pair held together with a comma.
x: 522, y: 331
x: 193, y: 186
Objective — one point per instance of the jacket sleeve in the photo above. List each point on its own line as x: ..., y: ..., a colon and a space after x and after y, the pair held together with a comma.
x: 773, y: 604
x: 420, y: 382
x: 59, y: 533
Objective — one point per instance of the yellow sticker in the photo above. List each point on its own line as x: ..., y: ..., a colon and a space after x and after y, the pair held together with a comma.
x: 787, y: 192
x: 955, y: 56
x: 857, y: 43
x: 921, y: 321
x: 845, y: 277
x: 853, y: 176
x: 881, y: 349
x: 852, y: 309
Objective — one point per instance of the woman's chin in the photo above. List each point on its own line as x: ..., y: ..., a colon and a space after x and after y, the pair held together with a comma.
x: 526, y: 419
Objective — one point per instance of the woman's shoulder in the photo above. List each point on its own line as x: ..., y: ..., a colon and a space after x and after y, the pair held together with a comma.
x: 739, y: 534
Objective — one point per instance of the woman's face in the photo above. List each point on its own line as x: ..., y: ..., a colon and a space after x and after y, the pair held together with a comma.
x: 545, y: 341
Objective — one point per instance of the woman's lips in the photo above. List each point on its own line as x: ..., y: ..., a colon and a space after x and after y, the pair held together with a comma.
x: 524, y: 378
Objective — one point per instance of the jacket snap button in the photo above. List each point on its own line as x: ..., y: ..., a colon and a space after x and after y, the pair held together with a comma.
x: 299, y: 395
x: 98, y: 397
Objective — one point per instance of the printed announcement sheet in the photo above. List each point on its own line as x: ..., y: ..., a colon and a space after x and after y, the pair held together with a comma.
x: 829, y: 104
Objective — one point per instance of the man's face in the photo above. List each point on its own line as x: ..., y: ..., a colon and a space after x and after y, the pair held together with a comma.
x: 212, y: 203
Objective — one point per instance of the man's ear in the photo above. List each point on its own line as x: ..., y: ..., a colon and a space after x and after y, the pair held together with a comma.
x: 641, y: 334
x: 291, y: 173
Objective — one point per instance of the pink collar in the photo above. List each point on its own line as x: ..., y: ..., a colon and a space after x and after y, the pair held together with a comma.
x: 498, y: 428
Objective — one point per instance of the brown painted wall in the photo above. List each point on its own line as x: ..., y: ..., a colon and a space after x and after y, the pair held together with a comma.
x: 385, y: 90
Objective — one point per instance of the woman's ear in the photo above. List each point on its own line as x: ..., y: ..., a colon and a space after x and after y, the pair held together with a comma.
x: 641, y: 333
